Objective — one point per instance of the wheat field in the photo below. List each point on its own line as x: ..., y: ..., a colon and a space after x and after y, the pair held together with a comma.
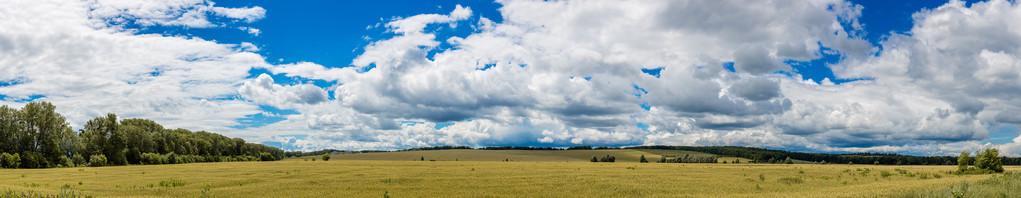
x: 342, y: 177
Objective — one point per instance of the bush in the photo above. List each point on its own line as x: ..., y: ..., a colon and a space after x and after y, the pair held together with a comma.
x: 791, y: 180
x: 153, y: 158
x: 326, y: 157
x: 173, y: 158
x: 97, y: 160
x: 10, y: 161
x: 594, y: 159
x: 64, y: 161
x: 266, y: 157
x: 34, y: 160
x: 643, y: 160
x: 788, y: 161
x: 78, y: 160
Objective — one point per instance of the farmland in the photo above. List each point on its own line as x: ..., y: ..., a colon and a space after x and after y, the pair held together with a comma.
x: 527, y: 174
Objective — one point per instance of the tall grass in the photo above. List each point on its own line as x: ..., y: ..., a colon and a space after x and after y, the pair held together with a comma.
x: 1006, y: 185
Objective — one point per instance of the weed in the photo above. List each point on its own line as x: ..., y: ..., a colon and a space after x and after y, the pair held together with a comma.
x: 791, y: 180
x: 172, y: 183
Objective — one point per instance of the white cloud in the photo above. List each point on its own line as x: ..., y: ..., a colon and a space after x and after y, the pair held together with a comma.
x: 251, y: 31
x: 263, y: 90
x: 187, y: 13
x: 555, y: 73
x: 56, y: 51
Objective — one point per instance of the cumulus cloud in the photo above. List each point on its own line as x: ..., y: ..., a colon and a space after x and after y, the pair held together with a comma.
x: 187, y: 13
x: 55, y: 50
x: 263, y: 90
x: 551, y: 73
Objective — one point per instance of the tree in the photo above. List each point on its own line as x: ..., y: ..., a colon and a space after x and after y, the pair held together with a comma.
x: 326, y: 157
x: 45, y: 131
x: 662, y: 159
x: 788, y: 161
x: 643, y: 160
x: 10, y: 130
x: 422, y: 159
x: 594, y: 159
x: 989, y: 160
x: 962, y: 161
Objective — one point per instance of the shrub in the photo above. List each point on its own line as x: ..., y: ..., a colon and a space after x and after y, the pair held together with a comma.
x: 172, y: 183
x: 662, y: 159
x: 788, y: 161
x: 34, y: 160
x: 97, y: 160
x: 64, y: 161
x: 10, y: 161
x: 266, y: 156
x: 885, y: 174
x: 643, y: 160
x: 78, y: 159
x: 326, y: 157
x: 173, y: 158
x: 153, y: 158
x: 594, y: 159
x: 791, y: 180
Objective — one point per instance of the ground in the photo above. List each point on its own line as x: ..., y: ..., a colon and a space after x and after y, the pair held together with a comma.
x: 373, y: 177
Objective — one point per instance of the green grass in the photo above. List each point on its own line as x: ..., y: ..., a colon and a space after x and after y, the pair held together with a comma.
x: 370, y: 178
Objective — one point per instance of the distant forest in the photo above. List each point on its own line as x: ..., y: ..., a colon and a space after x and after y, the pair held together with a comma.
x: 38, y: 137
x: 758, y: 155
x: 761, y: 155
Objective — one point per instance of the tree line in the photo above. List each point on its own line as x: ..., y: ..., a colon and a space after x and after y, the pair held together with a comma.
x: 35, y: 136
x: 761, y: 155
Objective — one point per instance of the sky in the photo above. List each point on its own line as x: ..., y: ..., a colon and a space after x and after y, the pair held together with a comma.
x: 834, y: 76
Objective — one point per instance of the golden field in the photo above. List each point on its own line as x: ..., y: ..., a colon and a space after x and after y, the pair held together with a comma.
x: 373, y: 177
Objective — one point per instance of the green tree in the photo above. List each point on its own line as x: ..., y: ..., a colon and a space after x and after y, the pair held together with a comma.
x: 643, y: 160
x: 989, y: 160
x: 788, y: 161
x: 10, y: 130
x: 326, y: 157
x: 47, y: 129
x: 963, y: 160
x: 594, y: 159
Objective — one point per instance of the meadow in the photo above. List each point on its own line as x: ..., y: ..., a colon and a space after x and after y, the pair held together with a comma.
x: 376, y: 175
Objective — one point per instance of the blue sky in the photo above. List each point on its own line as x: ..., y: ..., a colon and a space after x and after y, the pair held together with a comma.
x: 924, y: 78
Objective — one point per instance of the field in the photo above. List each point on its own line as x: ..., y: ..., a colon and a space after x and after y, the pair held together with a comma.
x: 544, y: 177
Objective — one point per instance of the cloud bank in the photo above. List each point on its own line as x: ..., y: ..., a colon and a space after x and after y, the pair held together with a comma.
x: 550, y: 73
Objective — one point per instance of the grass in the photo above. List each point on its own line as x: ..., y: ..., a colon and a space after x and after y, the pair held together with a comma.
x: 1005, y: 185
x: 370, y: 178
